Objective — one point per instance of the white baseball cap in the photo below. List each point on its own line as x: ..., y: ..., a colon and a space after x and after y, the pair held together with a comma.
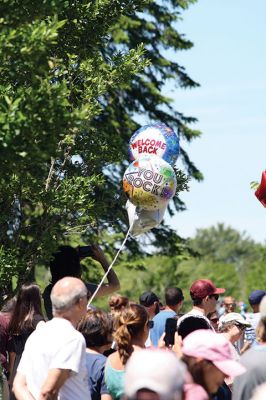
x: 233, y: 317
x: 157, y: 370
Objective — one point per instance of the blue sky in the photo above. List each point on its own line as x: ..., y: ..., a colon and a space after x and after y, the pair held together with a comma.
x: 229, y: 61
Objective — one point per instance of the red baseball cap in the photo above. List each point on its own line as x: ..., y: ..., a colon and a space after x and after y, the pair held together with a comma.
x: 204, y: 287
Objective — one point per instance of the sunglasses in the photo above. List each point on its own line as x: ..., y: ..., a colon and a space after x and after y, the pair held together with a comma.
x: 240, y: 326
x: 150, y: 324
x: 215, y: 320
x: 214, y: 296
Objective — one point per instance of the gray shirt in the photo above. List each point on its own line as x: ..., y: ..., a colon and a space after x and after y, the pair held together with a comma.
x: 255, y: 362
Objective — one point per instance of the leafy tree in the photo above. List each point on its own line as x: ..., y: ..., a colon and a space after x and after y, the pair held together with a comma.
x: 223, y: 244
x: 255, y: 275
x: 73, y: 81
x: 220, y: 244
x: 53, y: 76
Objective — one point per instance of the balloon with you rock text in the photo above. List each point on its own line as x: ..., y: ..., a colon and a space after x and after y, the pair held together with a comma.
x: 149, y: 182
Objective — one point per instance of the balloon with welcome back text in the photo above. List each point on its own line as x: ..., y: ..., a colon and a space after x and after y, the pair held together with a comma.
x: 157, y: 140
x: 149, y: 182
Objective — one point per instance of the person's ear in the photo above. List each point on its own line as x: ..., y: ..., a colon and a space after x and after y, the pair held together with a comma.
x: 206, y: 299
x: 81, y: 302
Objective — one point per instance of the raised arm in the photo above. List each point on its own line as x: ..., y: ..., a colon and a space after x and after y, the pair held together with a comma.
x: 113, y: 284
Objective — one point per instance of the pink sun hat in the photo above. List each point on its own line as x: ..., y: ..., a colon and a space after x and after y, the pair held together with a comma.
x: 214, y: 347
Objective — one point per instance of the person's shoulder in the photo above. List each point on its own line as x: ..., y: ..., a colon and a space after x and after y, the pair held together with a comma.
x: 62, y: 328
x: 182, y: 317
x: 253, y: 354
x: 96, y: 361
x: 115, y: 362
x: 192, y: 316
x: 157, y: 316
x: 164, y: 314
x: 113, y: 356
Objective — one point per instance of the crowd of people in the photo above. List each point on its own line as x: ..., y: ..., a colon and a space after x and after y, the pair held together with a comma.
x: 136, y: 350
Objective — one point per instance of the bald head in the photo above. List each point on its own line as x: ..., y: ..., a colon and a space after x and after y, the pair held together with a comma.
x: 66, y: 292
x: 229, y: 304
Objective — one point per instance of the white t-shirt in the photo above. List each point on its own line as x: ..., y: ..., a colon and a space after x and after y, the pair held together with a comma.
x: 194, y: 313
x: 253, y: 319
x: 56, y: 344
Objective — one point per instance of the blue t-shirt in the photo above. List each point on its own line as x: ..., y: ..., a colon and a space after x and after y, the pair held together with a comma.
x: 95, y: 365
x: 159, y: 325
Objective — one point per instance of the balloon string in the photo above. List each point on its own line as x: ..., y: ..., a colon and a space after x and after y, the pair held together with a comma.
x: 111, y: 265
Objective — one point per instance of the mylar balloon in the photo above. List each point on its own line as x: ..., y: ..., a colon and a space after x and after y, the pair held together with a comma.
x: 156, y: 139
x: 141, y: 221
x: 149, y: 182
x: 261, y: 190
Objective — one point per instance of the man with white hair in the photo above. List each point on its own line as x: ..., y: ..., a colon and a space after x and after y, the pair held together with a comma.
x: 53, y: 362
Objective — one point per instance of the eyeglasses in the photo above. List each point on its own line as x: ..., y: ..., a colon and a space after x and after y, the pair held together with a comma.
x: 150, y: 324
x: 215, y: 320
x: 214, y: 296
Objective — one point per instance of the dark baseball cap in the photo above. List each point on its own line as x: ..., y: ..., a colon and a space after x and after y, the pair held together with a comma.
x: 256, y: 296
x: 204, y: 287
x: 148, y: 298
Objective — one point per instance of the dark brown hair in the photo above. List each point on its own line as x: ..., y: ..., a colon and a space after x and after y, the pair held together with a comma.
x: 196, y: 370
x: 173, y: 296
x: 96, y: 327
x: 27, y: 306
x: 130, y: 324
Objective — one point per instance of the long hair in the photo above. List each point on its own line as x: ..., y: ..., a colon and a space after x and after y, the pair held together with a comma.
x: 27, y: 306
x: 130, y: 324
